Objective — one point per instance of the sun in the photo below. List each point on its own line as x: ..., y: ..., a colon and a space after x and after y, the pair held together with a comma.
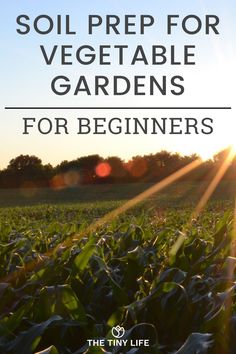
x: 222, y: 139
x: 232, y: 148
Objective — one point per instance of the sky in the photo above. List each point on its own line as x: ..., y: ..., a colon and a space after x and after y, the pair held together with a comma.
x: 26, y: 79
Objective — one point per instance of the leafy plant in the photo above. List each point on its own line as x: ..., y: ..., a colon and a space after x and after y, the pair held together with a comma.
x: 55, y: 295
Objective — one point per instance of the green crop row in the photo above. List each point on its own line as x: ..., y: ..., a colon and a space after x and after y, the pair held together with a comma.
x: 58, y: 290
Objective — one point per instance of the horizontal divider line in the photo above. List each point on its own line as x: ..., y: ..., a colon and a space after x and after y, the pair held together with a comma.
x: 114, y: 108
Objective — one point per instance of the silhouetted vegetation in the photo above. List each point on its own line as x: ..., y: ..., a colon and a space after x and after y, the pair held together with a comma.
x: 29, y: 171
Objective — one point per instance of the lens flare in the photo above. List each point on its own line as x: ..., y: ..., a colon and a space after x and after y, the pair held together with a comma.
x: 57, y: 182
x: 137, y: 168
x: 103, y: 170
x: 35, y: 265
x: 72, y: 178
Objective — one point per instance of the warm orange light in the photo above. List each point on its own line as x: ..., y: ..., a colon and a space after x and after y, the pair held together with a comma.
x: 106, y: 218
x: 72, y: 178
x: 57, y: 182
x: 137, y: 168
x: 204, y: 199
x: 103, y: 170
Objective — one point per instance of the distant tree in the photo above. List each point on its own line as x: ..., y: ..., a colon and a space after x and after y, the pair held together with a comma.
x: 89, y: 162
x: 66, y: 166
x: 165, y: 163
x: 27, y: 170
x: 226, y: 155
x: 222, y: 155
x: 23, y: 162
x: 118, y: 171
x: 137, y: 168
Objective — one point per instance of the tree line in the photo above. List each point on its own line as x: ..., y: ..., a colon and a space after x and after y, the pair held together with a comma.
x: 29, y: 171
